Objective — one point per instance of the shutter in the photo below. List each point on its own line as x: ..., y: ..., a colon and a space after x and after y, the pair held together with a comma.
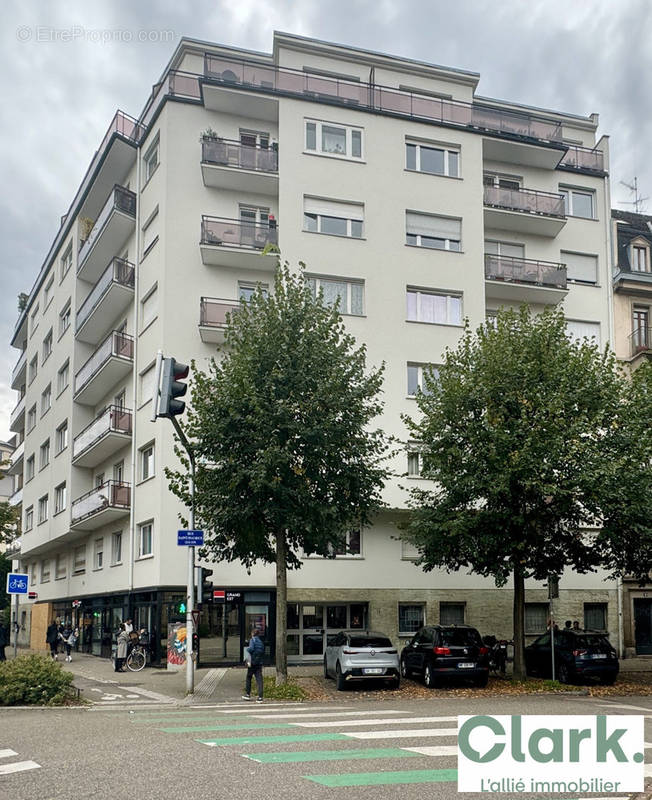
x: 436, y: 227
x: 581, y: 267
x: 578, y: 330
x: 333, y: 208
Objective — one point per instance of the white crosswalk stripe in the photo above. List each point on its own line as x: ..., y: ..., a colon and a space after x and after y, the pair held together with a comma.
x: 7, y: 753
x: 16, y: 766
x: 266, y: 710
x: 320, y: 714
x: 436, y: 751
x: 405, y: 733
x: 389, y: 721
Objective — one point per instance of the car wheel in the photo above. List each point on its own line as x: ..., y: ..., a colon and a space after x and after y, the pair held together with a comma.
x: 563, y: 674
x: 326, y: 675
x: 482, y: 682
x: 339, y: 678
x: 405, y: 672
x: 429, y: 677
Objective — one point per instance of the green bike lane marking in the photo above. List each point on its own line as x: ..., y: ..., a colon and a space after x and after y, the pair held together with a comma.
x: 309, y: 737
x: 225, y: 727
x: 385, y: 778
x: 298, y: 756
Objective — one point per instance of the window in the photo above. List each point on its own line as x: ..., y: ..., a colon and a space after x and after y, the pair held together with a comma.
x: 433, y: 160
x: 29, y: 468
x: 47, y: 293
x: 437, y: 233
x: 247, y: 290
x: 66, y: 261
x: 504, y: 249
x: 45, y: 570
x: 31, y: 418
x: 580, y: 267
x: 641, y: 328
x: 348, y: 293
x: 578, y: 330
x: 578, y: 203
x: 64, y: 319
x: 415, y: 380
x: 501, y: 181
x: 146, y: 462
x: 150, y: 160
x: 640, y: 258
x: 46, y: 399
x: 32, y: 579
x: 414, y: 461
x: 150, y: 232
x: 145, y: 539
x: 351, y: 546
x: 411, y: 617
x: 59, y: 567
x: 451, y: 613
x: 147, y: 384
x: 116, y: 548
x: 329, y: 139
x: 44, y: 459
x: 595, y: 616
x: 33, y: 369
x: 442, y: 309
x: 29, y: 518
x: 43, y: 509
x: 149, y: 307
x: 333, y: 217
x: 34, y: 320
x: 409, y: 551
x: 60, y: 498
x: 98, y: 554
x: 79, y: 560
x: 63, y: 377
x: 536, y: 617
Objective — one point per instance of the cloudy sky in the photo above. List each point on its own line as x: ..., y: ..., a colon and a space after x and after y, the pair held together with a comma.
x: 69, y: 64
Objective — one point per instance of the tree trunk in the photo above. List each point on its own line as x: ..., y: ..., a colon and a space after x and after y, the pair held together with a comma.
x: 281, y: 610
x: 519, y: 626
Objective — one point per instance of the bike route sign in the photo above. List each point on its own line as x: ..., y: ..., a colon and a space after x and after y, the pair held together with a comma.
x: 17, y: 583
x: 190, y: 538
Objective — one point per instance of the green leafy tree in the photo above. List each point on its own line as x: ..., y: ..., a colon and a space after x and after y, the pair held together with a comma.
x: 513, y: 434
x: 5, y: 569
x: 9, y: 523
x: 287, y: 459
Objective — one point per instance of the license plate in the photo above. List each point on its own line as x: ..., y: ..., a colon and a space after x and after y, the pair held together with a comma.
x: 599, y: 655
x: 466, y: 665
x: 373, y: 671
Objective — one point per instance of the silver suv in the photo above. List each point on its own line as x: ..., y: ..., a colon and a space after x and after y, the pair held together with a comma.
x: 361, y: 655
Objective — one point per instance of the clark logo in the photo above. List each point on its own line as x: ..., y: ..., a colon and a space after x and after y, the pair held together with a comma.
x: 515, y: 754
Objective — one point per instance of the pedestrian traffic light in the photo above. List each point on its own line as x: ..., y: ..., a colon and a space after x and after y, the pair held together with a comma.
x: 181, y: 608
x: 206, y: 585
x: 171, y: 388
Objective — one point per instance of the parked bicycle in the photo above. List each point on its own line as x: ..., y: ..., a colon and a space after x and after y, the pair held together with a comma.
x: 500, y: 652
x: 137, y: 657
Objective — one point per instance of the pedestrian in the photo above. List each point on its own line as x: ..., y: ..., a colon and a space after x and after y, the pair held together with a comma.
x: 129, y: 625
x: 576, y: 625
x: 4, y: 640
x: 52, y: 638
x: 568, y: 625
x: 121, y: 652
x: 256, y: 653
x: 68, y: 637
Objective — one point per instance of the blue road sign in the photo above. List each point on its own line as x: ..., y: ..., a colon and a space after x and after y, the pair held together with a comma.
x: 190, y: 538
x: 17, y: 583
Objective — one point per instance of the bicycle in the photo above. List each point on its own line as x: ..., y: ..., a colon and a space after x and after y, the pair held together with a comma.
x: 137, y: 658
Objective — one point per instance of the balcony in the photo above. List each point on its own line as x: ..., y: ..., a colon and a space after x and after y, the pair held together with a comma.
x: 113, y: 226
x: 226, y: 164
x: 523, y: 211
x: 16, y: 460
x: 583, y: 159
x: 101, y: 506
x: 17, y: 497
x: 111, y: 362
x: 104, y: 436
x: 233, y: 243
x: 111, y: 294
x: 640, y: 342
x: 524, y: 280
x: 212, y: 318
x: 19, y: 371
x: 17, y: 418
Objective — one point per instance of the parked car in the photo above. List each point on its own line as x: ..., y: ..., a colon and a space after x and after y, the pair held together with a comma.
x: 361, y: 655
x: 579, y: 655
x: 444, y: 652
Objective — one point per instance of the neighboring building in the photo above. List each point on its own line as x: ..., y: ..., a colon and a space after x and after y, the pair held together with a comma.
x: 7, y: 479
x: 415, y: 200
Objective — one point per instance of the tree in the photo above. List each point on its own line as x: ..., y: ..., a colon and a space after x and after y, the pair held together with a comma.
x: 9, y: 523
x: 513, y: 435
x: 287, y: 460
x: 5, y: 569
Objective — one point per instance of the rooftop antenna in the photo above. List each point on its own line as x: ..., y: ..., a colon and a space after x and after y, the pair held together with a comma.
x: 638, y: 202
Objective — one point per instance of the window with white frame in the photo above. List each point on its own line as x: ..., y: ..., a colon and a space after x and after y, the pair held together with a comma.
x: 34, y: 320
x: 536, y: 617
x: 43, y: 508
x: 32, y: 370
x: 79, y: 560
x: 116, y: 547
x: 433, y: 307
x: 333, y: 217
x: 331, y: 139
x: 350, y: 546
x: 60, y: 498
x: 66, y: 261
x: 580, y: 267
x: 415, y: 377
x: 640, y: 257
x: 31, y: 418
x: 150, y: 232
x: 499, y: 181
x: 32, y: 570
x: 432, y: 159
x: 433, y: 232
x: 44, y: 453
x: 60, y: 567
x: 64, y: 318
x: 29, y: 518
x: 149, y: 307
x: 577, y: 330
x: 595, y: 616
x: 451, y: 613
x: 145, y: 533
x: 29, y: 468
x: 98, y: 554
x: 45, y: 570
x: 63, y: 377
x: 509, y: 249
x: 247, y: 290
x: 578, y: 202
x: 349, y: 294
x: 411, y: 617
x: 151, y: 160
x: 409, y: 551
x: 46, y: 399
x: 414, y: 460
x: 48, y: 292
x: 147, y: 462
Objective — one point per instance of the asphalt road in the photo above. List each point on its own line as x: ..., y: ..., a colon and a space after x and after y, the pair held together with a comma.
x: 366, y: 749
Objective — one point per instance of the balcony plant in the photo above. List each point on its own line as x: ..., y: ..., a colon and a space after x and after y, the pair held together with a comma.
x: 213, y: 147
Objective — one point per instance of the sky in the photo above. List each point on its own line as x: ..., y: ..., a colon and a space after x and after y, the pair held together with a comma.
x: 68, y: 65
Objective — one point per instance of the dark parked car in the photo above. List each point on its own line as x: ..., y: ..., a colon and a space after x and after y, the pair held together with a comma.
x: 444, y: 652
x: 578, y: 655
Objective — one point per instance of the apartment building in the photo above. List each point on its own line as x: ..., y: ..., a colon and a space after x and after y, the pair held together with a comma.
x: 410, y: 197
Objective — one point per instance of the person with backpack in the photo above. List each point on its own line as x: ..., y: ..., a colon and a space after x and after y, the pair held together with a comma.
x: 69, y: 638
x: 52, y: 638
x: 255, y: 653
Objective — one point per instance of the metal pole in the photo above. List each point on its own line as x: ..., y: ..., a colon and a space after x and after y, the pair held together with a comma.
x: 16, y: 624
x: 552, y: 639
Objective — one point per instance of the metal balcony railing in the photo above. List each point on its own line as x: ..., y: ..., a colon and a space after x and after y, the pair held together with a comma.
x: 640, y: 340
x: 119, y: 271
x: 113, y: 419
x: 528, y: 201
x: 524, y: 270
x: 229, y: 153
x: 583, y: 158
x: 213, y: 312
x: 19, y: 409
x: 20, y: 365
x: 236, y: 233
x: 116, y: 345
x: 123, y: 125
x: 120, y: 199
x: 111, y: 494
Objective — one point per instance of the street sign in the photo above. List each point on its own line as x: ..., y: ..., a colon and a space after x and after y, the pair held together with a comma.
x: 76, y: 603
x: 17, y: 583
x: 32, y: 595
x: 219, y: 594
x: 195, y: 619
x: 190, y: 538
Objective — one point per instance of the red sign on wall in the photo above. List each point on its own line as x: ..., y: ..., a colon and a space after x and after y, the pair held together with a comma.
x: 219, y: 595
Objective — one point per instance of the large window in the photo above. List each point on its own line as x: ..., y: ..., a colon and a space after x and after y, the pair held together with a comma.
x: 451, y: 613
x: 580, y: 266
x: 43, y: 509
x: 146, y: 462
x: 145, y: 532
x: 333, y: 217
x: 330, y: 139
x: 640, y: 258
x: 579, y: 330
x: 432, y: 307
x: 436, y: 233
x: 578, y: 203
x: 411, y: 617
x: 60, y: 498
x: 431, y: 159
x: 348, y: 293
x: 536, y: 617
x: 415, y: 378
x: 595, y: 616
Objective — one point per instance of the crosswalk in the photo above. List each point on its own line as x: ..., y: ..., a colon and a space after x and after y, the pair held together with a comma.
x: 14, y: 766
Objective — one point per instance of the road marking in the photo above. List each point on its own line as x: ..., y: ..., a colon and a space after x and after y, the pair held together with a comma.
x: 402, y: 734
x: 157, y: 720
x: 19, y: 766
x: 438, y: 751
x: 385, y: 778
x: 390, y: 721
x: 269, y: 709
x: 298, y: 756
x: 306, y: 737
x: 225, y: 727
x: 322, y: 714
x: 623, y: 705
x: 647, y: 770
x: 7, y: 753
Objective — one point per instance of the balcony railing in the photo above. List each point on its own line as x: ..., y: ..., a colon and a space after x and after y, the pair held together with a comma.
x: 213, y: 312
x: 111, y: 494
x: 236, y: 233
x: 528, y: 201
x: 19, y: 367
x: 524, y: 270
x: 16, y: 414
x: 120, y: 199
x: 640, y: 340
x: 123, y: 125
x: 116, y: 345
x: 113, y: 420
x: 229, y: 153
x: 583, y: 158
x: 119, y: 271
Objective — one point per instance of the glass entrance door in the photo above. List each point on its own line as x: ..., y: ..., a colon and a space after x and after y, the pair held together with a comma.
x: 643, y: 626
x: 312, y: 626
x: 219, y: 633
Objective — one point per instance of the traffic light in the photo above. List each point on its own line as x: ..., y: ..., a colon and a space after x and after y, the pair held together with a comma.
x: 206, y: 585
x: 181, y: 607
x: 171, y: 388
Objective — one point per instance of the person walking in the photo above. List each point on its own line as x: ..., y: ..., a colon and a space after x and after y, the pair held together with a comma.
x: 52, y: 638
x: 121, y: 653
x: 256, y: 653
x: 68, y: 637
x: 4, y: 640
